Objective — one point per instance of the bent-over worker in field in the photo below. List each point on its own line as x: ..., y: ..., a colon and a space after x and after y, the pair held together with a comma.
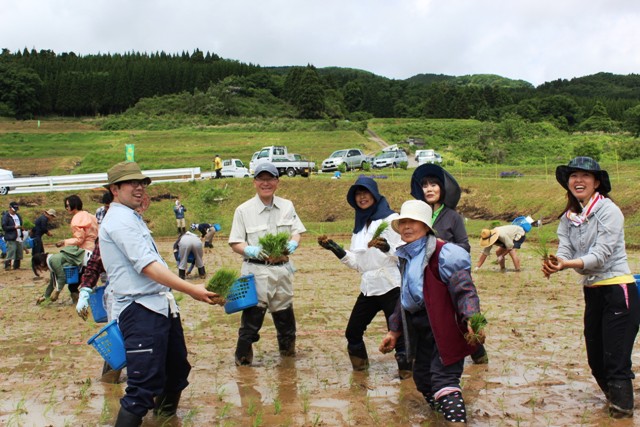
x: 264, y: 214
x: 144, y: 305
x: 508, y: 239
x: 437, y: 301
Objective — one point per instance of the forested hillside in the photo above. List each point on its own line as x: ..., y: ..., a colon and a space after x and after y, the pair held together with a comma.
x: 44, y: 83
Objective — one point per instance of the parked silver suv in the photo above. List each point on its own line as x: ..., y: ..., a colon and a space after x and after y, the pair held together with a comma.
x: 390, y: 158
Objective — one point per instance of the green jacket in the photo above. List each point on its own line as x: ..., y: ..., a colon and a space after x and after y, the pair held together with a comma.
x: 68, y: 256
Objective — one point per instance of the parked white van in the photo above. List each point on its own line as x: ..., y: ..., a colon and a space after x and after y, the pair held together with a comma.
x: 427, y: 156
x: 5, y: 175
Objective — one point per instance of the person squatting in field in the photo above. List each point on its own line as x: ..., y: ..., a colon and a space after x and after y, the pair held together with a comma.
x: 591, y: 241
x: 437, y: 300
x: 263, y: 214
x: 377, y: 264
x: 508, y: 239
x: 69, y: 256
x: 144, y: 305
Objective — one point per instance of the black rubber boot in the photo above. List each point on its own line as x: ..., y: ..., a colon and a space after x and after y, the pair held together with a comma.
x: 405, y: 368
x: 166, y: 404
x: 621, y: 398
x: 181, y: 273
x: 184, y: 230
x: 602, y: 383
x: 16, y: 264
x: 179, y: 231
x: 202, y: 272
x: 285, y: 323
x: 359, y: 357
x: 250, y: 325
x: 127, y: 419
x: 208, y: 245
x: 110, y: 376
x: 451, y: 406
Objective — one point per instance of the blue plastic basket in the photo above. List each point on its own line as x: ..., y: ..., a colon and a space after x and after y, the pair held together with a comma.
x: 110, y: 344
x: 28, y: 243
x: 216, y: 227
x: 72, y: 274
x: 242, y: 295
x: 522, y: 222
x: 97, y: 305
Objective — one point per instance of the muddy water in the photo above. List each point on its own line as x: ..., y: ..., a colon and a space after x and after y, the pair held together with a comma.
x: 537, y: 374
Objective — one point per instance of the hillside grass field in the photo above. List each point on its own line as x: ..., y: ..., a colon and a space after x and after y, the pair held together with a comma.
x: 79, y: 146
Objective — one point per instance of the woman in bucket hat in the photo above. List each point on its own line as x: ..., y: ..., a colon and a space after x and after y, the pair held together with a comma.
x: 437, y: 299
x: 375, y: 260
x: 591, y: 241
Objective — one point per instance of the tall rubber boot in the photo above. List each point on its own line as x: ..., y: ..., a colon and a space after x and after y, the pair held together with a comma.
x: 285, y: 323
x: 166, y: 404
x: 452, y: 407
x: 110, y: 376
x: 7, y: 265
x: 16, y: 264
x: 184, y: 230
x: 127, y: 419
x: 250, y: 325
x: 604, y: 386
x: 202, y: 272
x: 179, y: 231
x: 405, y: 368
x: 621, y: 402
x: 480, y: 356
x: 181, y: 274
x: 358, y: 356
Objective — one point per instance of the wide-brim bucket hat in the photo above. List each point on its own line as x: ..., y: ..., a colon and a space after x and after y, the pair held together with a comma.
x: 586, y: 164
x: 416, y: 210
x: 125, y: 171
x: 488, y: 237
x: 451, y: 187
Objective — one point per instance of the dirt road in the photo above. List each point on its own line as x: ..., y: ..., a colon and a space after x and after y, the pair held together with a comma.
x: 537, y: 374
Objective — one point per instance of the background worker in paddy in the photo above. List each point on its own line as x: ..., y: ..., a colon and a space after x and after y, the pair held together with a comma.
x: 263, y: 214
x: 508, y: 239
x: 179, y: 210
x: 207, y: 231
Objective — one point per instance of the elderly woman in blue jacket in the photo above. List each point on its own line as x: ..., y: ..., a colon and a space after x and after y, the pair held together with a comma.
x: 591, y: 242
x: 377, y: 264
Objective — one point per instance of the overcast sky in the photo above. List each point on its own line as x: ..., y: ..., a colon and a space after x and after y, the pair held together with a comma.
x: 532, y: 40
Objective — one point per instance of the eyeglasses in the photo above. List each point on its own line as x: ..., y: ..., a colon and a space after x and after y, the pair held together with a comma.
x: 135, y: 183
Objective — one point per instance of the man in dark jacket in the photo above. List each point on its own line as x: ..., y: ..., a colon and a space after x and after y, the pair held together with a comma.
x: 13, y: 235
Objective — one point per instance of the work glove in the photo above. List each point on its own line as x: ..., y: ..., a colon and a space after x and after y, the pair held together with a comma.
x: 292, y: 245
x: 254, y: 252
x: 82, y: 307
x: 380, y: 243
x: 333, y: 247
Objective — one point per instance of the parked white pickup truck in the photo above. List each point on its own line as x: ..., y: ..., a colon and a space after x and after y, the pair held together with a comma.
x: 287, y: 164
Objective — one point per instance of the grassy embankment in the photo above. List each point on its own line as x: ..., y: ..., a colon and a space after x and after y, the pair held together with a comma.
x: 75, y: 147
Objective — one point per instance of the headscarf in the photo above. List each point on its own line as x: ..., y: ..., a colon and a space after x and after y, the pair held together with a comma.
x: 451, y: 188
x: 379, y: 210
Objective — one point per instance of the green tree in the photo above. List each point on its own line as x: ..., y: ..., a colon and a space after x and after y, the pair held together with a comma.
x: 305, y: 91
x: 599, y: 120
x: 632, y: 120
x: 589, y: 149
x: 19, y: 89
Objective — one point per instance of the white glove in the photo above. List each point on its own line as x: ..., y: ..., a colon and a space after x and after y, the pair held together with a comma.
x: 476, y: 269
x: 82, y: 307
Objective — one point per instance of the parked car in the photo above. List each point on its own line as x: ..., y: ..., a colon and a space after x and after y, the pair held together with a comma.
x: 427, y: 156
x: 5, y: 175
x: 353, y: 158
x: 234, y: 168
x: 390, y: 158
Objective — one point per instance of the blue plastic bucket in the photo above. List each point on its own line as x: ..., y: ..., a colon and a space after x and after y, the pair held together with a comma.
x: 72, y: 274
x: 242, y: 295
x: 28, y: 243
x: 97, y: 305
x: 522, y: 222
x: 110, y: 344
x: 216, y: 227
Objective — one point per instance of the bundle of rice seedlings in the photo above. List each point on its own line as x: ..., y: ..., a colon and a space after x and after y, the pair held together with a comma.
x: 221, y: 284
x: 542, y: 249
x: 376, y: 234
x: 275, y: 245
x: 478, y: 321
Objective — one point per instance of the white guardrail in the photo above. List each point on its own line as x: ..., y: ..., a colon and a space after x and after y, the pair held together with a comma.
x: 39, y: 184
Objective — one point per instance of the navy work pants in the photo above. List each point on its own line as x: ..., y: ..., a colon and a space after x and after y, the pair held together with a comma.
x: 156, y: 357
x: 429, y: 374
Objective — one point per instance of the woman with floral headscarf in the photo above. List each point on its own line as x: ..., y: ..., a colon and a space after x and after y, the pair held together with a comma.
x: 591, y: 241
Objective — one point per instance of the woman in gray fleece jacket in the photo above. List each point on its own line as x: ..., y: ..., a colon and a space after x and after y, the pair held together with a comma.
x: 591, y: 241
